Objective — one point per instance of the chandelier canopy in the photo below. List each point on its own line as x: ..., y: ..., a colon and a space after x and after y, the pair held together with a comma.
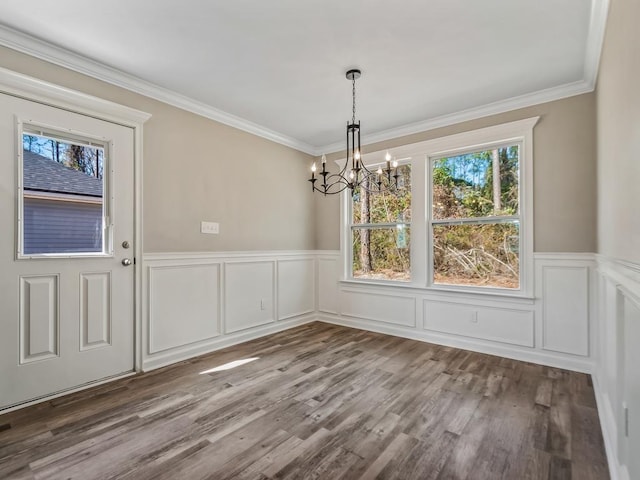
x: 354, y: 173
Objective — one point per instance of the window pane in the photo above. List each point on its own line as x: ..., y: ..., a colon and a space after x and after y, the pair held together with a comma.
x: 463, y: 185
x: 62, y: 196
x: 381, y: 253
x: 478, y: 255
x: 384, y: 207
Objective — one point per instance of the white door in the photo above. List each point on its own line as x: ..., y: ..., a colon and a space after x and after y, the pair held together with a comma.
x: 66, y: 235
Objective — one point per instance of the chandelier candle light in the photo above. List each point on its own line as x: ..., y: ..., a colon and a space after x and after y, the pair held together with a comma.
x: 359, y: 175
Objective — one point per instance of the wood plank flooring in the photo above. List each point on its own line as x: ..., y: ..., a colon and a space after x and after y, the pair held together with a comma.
x: 318, y: 402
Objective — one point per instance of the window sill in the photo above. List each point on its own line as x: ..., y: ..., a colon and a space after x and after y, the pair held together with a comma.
x: 447, y: 291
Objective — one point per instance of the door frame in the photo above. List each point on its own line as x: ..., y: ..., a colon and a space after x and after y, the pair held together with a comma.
x: 40, y: 91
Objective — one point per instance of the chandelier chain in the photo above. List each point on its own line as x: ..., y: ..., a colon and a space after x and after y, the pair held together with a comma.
x: 353, y: 82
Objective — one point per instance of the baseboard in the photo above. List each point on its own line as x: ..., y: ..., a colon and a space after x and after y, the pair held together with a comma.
x: 491, y: 348
x: 179, y: 354
x: 609, y: 432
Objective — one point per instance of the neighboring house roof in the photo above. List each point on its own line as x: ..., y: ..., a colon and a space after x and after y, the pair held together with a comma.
x: 45, y: 175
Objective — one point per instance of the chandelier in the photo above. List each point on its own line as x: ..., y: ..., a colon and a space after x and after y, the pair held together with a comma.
x: 354, y: 173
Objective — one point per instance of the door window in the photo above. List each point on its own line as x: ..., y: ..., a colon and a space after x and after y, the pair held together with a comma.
x: 62, y: 206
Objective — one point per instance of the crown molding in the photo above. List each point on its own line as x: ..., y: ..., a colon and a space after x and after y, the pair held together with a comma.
x: 595, y: 40
x: 48, y: 52
x: 514, y: 103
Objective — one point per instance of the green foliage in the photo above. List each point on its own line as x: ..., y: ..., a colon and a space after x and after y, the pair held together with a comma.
x: 388, y: 247
x: 388, y: 259
x: 481, y: 254
x: 473, y: 254
x: 463, y: 185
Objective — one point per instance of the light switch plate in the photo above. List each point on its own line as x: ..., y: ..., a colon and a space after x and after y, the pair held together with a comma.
x: 210, y: 227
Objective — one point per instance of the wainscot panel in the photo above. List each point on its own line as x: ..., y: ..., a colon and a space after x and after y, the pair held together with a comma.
x: 389, y: 307
x: 501, y: 325
x: 249, y: 294
x: 296, y: 287
x: 184, y: 305
x: 328, y: 274
x: 565, y: 300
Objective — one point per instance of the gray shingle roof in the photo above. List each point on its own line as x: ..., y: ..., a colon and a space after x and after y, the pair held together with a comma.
x: 44, y: 175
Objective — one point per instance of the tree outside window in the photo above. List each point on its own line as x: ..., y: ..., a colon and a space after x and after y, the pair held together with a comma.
x: 380, y: 231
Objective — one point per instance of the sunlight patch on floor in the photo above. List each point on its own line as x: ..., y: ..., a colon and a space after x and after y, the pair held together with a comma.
x: 230, y: 365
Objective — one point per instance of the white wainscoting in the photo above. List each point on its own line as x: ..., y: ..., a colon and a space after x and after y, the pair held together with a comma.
x: 554, y: 328
x: 616, y: 378
x: 387, y: 307
x: 195, y: 303
x: 249, y: 294
x: 505, y: 325
x: 184, y: 303
x: 296, y: 287
x: 564, y: 296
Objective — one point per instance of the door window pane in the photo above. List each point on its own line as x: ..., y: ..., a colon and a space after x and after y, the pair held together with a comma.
x: 62, y: 195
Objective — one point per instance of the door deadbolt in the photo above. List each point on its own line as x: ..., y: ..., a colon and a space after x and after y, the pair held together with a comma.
x: 125, y: 244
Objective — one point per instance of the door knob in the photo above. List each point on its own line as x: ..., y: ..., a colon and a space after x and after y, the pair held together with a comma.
x: 126, y: 262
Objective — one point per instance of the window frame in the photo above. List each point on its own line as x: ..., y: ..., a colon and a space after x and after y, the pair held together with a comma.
x: 419, y: 155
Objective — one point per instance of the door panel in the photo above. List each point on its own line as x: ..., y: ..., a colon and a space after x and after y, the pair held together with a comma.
x: 66, y: 320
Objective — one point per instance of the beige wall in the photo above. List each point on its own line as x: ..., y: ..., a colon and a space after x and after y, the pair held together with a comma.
x: 564, y: 174
x: 618, y: 106
x: 197, y: 169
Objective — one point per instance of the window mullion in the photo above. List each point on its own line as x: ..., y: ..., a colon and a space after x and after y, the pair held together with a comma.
x: 379, y: 225
x: 476, y: 220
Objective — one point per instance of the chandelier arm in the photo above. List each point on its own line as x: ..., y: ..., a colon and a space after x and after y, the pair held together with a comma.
x: 342, y: 185
x: 339, y: 179
x: 364, y: 167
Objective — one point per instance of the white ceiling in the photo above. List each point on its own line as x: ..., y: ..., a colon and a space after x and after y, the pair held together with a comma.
x: 276, y: 68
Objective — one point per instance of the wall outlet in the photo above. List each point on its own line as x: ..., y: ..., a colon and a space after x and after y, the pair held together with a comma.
x: 210, y: 227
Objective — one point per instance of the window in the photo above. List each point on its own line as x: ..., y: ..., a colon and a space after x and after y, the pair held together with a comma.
x: 464, y: 221
x: 62, y: 207
x: 380, y: 231
x: 475, y: 218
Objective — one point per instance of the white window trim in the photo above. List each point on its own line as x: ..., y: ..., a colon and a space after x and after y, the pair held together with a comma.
x: 520, y: 131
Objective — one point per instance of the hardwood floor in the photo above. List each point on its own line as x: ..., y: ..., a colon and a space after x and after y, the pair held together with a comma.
x: 318, y: 401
